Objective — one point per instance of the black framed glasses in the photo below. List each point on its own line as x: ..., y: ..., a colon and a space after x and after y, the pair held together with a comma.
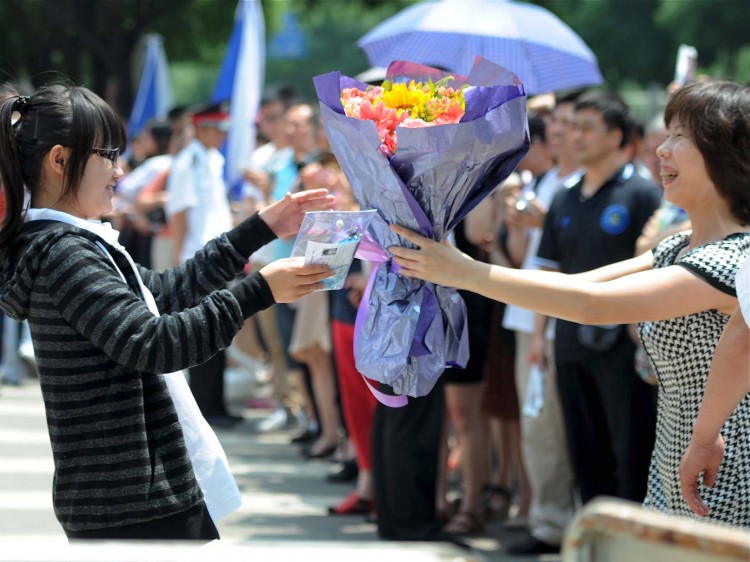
x: 108, y: 153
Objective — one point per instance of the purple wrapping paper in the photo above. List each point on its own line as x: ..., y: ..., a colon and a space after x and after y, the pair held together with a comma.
x: 409, y: 330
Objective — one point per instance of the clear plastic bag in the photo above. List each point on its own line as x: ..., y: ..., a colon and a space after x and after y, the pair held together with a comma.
x: 332, y: 238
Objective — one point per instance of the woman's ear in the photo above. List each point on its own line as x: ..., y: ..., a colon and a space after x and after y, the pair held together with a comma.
x: 57, y: 159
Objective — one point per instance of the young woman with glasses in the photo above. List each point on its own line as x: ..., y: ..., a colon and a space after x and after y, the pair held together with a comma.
x: 133, y: 457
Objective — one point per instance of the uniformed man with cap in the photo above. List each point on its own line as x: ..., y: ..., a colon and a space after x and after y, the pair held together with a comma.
x: 198, y: 210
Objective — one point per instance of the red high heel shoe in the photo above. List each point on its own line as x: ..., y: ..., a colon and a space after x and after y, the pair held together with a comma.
x: 353, y: 505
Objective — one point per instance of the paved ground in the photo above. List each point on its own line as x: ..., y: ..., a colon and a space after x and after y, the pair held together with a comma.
x: 285, y: 497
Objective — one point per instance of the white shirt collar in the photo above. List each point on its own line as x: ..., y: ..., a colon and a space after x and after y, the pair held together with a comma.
x: 102, y: 229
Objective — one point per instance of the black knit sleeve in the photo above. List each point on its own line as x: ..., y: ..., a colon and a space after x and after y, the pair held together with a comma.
x: 92, y: 297
x: 250, y: 235
x: 215, y: 265
x: 253, y: 294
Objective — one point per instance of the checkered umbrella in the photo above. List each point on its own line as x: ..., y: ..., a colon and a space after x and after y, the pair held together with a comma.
x: 530, y: 41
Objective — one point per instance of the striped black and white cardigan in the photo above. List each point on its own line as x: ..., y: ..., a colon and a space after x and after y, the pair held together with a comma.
x: 118, y: 449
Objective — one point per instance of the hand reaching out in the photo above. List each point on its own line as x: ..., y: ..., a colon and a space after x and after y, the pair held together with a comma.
x: 289, y: 279
x: 432, y: 261
x: 285, y: 216
x: 700, y: 458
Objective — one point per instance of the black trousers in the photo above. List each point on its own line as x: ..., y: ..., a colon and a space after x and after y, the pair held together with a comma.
x: 405, y: 453
x: 194, y: 524
x: 610, y: 420
x: 207, y: 385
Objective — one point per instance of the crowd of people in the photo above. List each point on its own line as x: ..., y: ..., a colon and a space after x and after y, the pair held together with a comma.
x: 598, y: 280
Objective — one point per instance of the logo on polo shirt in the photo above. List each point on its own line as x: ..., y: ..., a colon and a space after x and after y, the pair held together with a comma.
x: 615, y: 219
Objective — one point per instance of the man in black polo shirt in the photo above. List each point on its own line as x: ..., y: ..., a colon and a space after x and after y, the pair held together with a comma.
x: 608, y: 410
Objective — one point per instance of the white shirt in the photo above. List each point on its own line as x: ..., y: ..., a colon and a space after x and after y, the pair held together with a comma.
x: 209, y: 461
x: 196, y: 184
x: 742, y: 281
x: 130, y: 185
x: 261, y: 159
x: 520, y: 319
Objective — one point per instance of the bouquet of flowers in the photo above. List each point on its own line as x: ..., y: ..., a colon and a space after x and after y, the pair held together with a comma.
x: 401, y: 105
x: 422, y: 150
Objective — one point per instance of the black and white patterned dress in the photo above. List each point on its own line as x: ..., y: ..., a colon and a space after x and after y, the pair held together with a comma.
x: 681, y: 350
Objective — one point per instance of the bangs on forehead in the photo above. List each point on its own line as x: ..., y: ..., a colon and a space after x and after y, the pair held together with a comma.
x: 685, y: 106
x: 97, y: 122
x: 109, y: 131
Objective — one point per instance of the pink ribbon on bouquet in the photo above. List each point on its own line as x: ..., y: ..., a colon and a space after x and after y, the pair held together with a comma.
x: 370, y: 251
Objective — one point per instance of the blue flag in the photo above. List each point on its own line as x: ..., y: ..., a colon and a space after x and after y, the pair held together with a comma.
x: 241, y: 81
x: 154, y: 96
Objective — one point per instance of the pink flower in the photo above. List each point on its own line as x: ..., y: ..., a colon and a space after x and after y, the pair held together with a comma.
x: 386, y: 120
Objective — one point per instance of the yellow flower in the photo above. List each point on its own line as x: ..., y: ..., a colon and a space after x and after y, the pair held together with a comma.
x: 401, y: 96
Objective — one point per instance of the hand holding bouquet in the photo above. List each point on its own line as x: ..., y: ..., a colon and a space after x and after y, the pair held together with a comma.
x: 423, y: 150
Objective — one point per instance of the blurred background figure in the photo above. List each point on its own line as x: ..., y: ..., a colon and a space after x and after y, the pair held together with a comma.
x: 594, y: 223
x: 198, y: 210
x: 654, y: 134
x: 506, y: 487
x: 270, y: 158
x: 465, y: 446
x: 137, y: 228
x: 298, y: 129
x: 554, y: 167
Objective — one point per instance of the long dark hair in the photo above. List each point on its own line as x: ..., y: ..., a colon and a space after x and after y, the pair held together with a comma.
x: 717, y: 115
x: 59, y: 113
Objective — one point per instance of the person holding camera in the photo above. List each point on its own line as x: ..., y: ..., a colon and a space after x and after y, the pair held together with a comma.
x: 543, y: 441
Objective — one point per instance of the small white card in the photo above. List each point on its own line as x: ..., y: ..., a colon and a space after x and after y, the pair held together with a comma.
x: 338, y: 257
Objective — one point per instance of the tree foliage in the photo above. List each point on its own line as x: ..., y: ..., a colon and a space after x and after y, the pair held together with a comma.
x: 96, y: 42
x: 719, y: 30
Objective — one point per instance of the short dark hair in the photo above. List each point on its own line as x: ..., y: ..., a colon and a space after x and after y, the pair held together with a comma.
x: 278, y: 93
x: 639, y: 129
x: 176, y: 113
x: 58, y: 113
x: 569, y: 96
x: 717, y: 116
x: 614, y: 111
x: 537, y: 129
x: 161, y: 131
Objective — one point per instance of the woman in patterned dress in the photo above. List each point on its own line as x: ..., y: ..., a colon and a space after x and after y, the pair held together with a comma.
x: 681, y: 294
x: 728, y: 384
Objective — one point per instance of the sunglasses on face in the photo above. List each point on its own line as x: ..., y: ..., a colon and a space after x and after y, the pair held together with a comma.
x: 108, y: 153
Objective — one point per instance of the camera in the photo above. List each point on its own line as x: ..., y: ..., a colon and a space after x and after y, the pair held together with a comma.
x: 524, y: 203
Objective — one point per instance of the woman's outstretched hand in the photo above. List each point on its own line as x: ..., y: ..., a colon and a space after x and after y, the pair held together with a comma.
x: 431, y: 261
x: 285, y: 216
x: 289, y: 279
